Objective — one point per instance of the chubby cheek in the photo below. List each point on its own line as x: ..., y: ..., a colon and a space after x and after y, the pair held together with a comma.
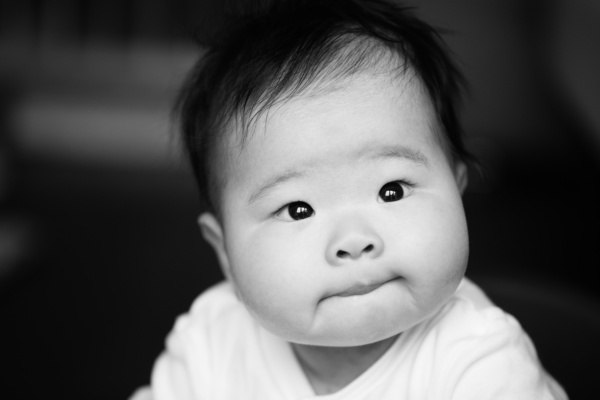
x: 436, y: 252
x: 273, y: 277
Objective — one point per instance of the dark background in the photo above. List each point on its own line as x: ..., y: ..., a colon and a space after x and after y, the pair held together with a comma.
x: 99, y: 248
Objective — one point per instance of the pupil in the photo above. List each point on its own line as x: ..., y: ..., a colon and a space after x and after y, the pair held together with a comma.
x: 300, y: 210
x: 391, y: 192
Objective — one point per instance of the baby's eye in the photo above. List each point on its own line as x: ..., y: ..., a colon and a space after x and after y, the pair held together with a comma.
x: 391, y: 191
x: 299, y: 210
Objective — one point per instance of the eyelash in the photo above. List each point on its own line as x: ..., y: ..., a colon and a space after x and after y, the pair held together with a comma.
x: 405, y: 182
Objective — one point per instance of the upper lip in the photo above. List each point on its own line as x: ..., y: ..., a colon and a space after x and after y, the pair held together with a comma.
x: 361, y: 288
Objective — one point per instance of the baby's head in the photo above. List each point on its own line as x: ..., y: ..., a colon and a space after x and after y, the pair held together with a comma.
x: 325, y: 142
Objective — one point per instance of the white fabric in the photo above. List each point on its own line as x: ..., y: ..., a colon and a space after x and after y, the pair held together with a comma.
x: 470, y: 349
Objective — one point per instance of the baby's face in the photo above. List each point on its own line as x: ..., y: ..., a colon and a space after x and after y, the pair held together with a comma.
x: 342, y: 218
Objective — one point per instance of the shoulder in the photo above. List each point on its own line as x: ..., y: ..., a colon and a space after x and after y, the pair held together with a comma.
x: 470, y: 320
x: 468, y: 325
x: 483, y: 351
x: 202, y: 344
x: 212, y: 312
x: 218, y: 303
x: 214, y: 320
x: 470, y: 312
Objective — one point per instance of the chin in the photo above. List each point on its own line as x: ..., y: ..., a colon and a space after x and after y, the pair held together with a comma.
x: 348, y: 337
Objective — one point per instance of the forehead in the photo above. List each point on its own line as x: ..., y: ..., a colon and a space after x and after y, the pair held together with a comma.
x: 361, y: 114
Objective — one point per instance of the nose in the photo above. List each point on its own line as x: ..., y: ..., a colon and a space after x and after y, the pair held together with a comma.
x: 352, y: 242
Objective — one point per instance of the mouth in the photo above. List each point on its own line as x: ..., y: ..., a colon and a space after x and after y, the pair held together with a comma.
x: 360, y: 289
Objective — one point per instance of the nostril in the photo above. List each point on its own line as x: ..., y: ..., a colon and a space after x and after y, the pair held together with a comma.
x: 346, y: 254
x: 342, y: 254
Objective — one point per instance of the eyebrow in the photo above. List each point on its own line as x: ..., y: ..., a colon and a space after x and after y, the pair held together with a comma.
x: 395, y: 152
x: 272, y: 183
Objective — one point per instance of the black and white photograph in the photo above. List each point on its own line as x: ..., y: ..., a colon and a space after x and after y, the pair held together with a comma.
x: 299, y: 199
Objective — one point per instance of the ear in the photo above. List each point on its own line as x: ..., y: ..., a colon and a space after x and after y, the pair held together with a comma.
x: 212, y: 232
x: 461, y: 174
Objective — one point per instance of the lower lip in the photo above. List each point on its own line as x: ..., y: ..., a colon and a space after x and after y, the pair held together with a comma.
x: 362, y: 289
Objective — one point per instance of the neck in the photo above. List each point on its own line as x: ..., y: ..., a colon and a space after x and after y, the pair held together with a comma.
x: 330, y: 369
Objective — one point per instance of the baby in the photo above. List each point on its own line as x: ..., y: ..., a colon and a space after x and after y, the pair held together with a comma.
x: 325, y: 141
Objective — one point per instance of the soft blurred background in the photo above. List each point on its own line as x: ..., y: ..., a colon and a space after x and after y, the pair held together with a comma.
x: 99, y: 249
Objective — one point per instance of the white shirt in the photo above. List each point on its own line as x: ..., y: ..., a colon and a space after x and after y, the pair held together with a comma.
x: 470, y: 349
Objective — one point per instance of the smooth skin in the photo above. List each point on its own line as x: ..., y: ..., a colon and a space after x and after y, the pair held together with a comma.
x: 342, y: 222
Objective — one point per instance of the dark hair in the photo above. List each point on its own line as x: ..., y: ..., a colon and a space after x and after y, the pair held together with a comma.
x: 276, y: 52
